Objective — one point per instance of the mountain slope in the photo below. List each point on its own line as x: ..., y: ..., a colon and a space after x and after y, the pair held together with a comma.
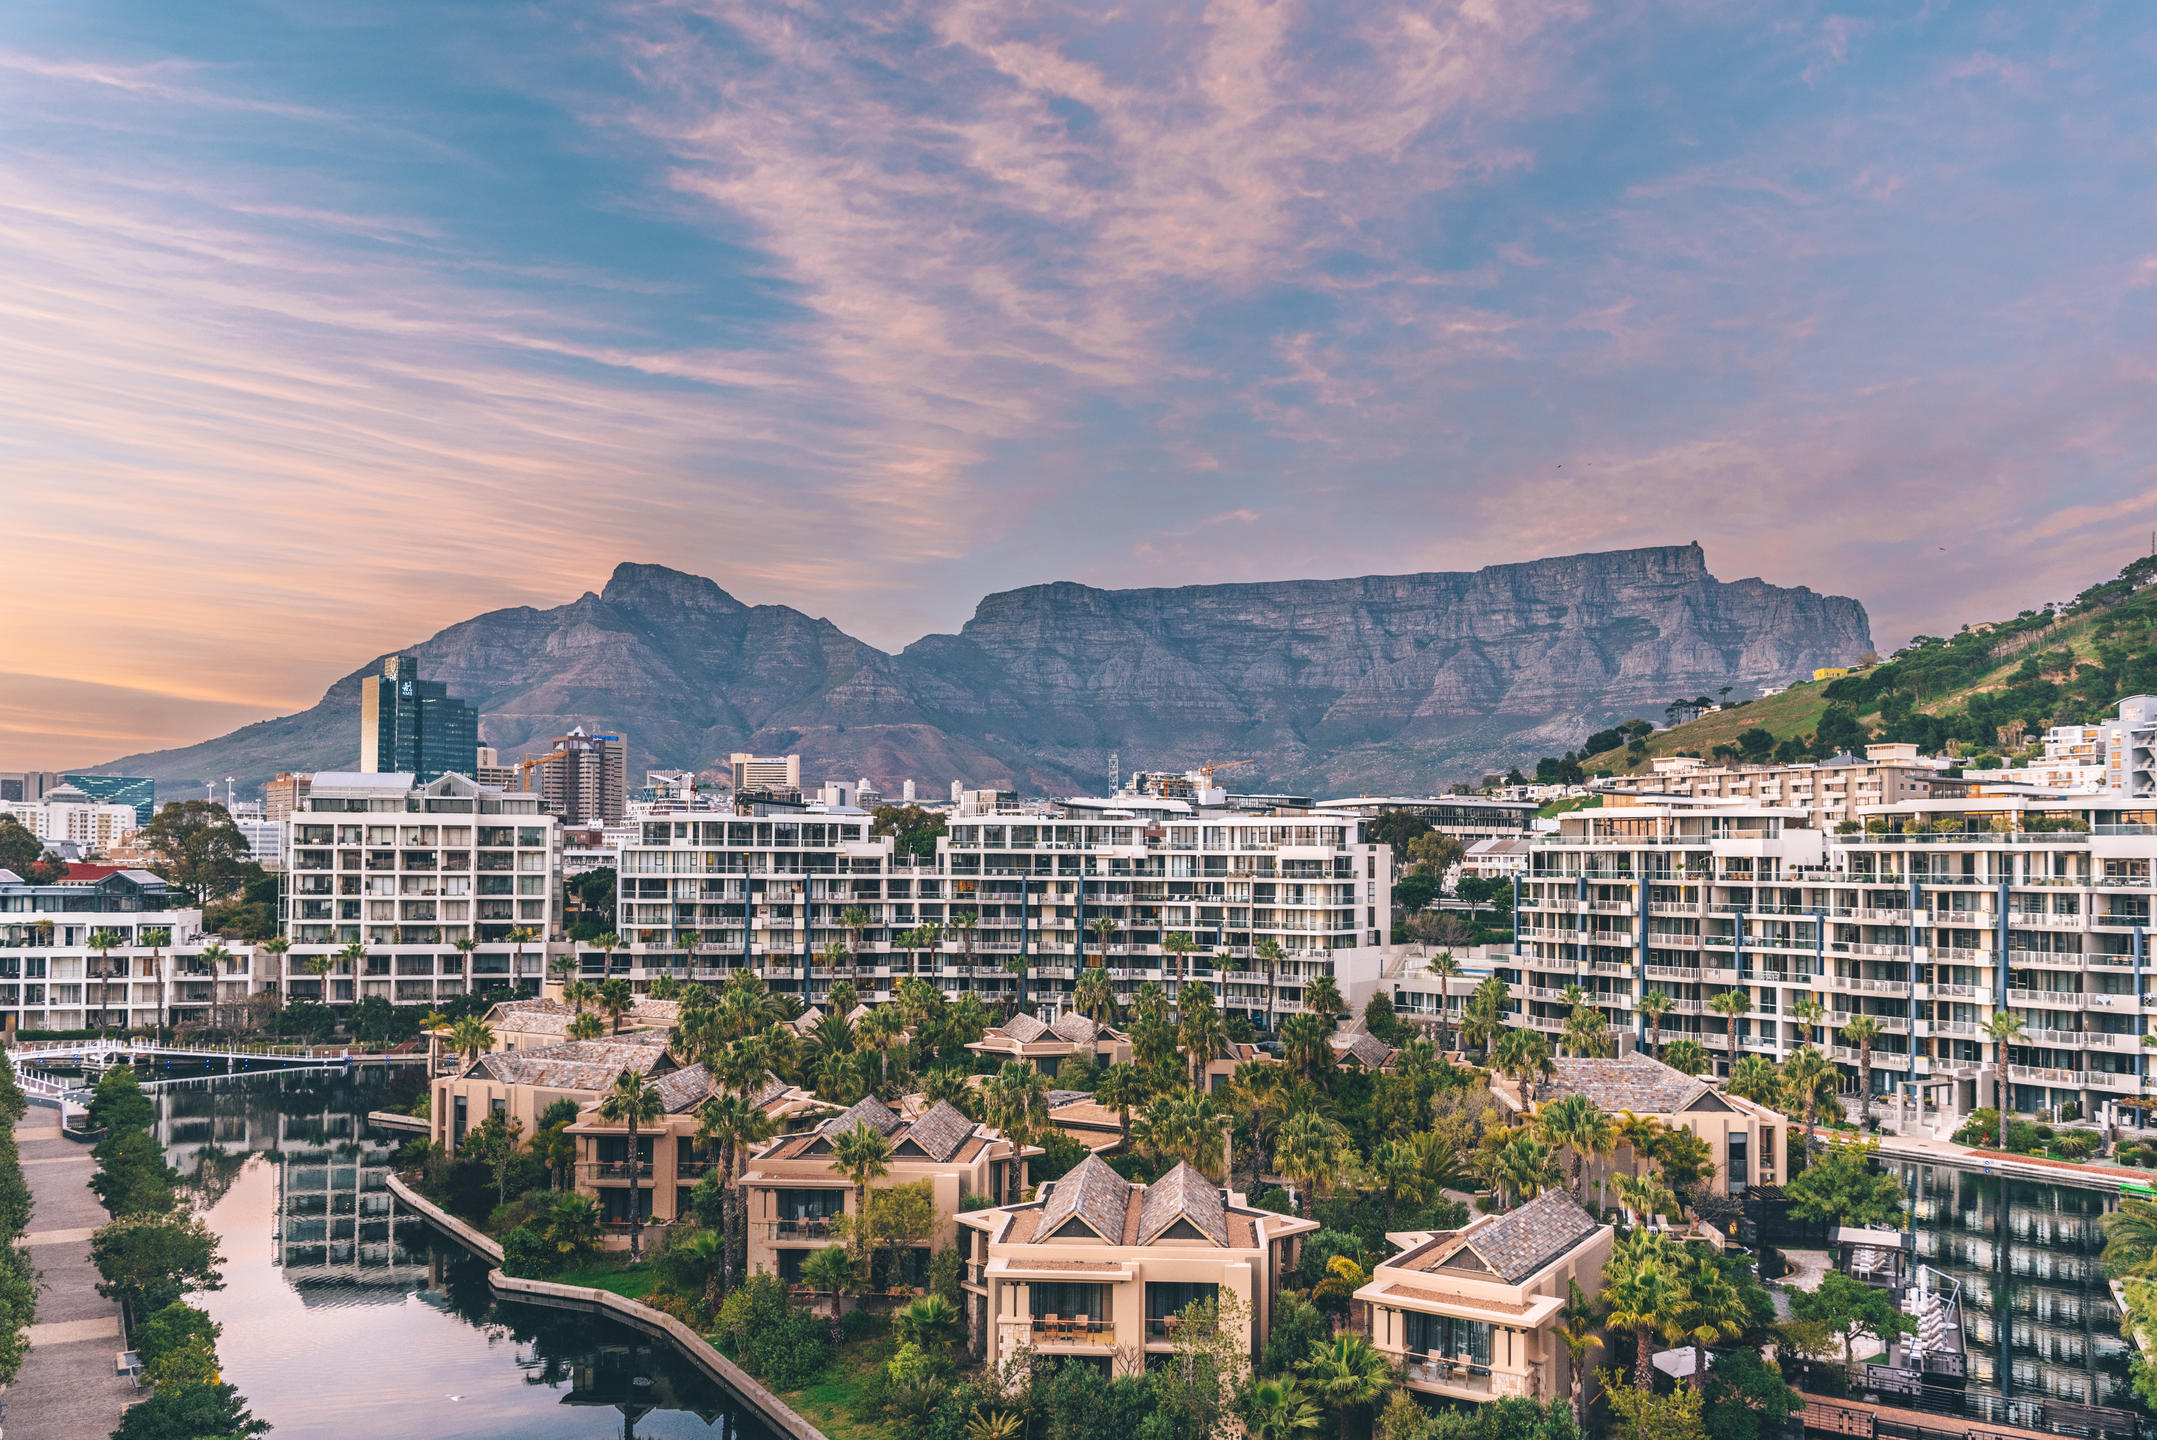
x: 1377, y: 682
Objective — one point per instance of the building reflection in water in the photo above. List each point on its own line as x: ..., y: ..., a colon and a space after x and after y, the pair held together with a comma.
x: 2038, y: 1316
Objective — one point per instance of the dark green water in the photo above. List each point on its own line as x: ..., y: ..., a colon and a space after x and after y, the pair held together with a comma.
x: 344, y: 1316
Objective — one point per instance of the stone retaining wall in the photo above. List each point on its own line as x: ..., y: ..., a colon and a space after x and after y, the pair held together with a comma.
x: 775, y: 1412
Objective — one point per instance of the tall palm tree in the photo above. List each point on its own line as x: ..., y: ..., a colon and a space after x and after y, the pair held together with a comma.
x: 1576, y: 1332
x: 878, y: 1034
x: 1447, y: 970
x: 1258, y: 1094
x: 1306, y: 1046
x: 1755, y: 1079
x: 1103, y: 927
x: 1311, y: 1150
x: 1269, y: 950
x: 831, y: 1269
x: 1346, y: 1374
x: 1638, y: 1133
x: 2003, y: 1029
x: 1804, y: 1075
x: 855, y: 921
x: 730, y: 1125
x: 606, y: 945
x: 1861, y: 1031
x: 1709, y: 1308
x: 632, y: 1103
x: 1094, y: 996
x: 211, y: 957
x: 1808, y: 1011
x: 1587, y: 1033
x: 2130, y: 1237
x: 861, y: 1154
x: 1176, y: 947
x: 1731, y: 1004
x: 157, y: 938
x: 276, y: 947
x: 1016, y: 1101
x: 104, y: 942
x: 1644, y: 1196
x: 1653, y: 1006
x: 1200, y: 1031
x: 471, y: 1038
x: 1122, y: 1089
x: 1322, y: 997
x: 1577, y: 1124
x: 963, y: 923
x: 464, y: 945
x: 585, y: 1026
x: 1184, y: 1125
x: 1640, y: 1286
x: 353, y: 957
x: 1687, y: 1056
x: 1524, y: 1167
x: 617, y: 1000
x: 520, y: 936
x: 1525, y: 1056
x: 320, y: 967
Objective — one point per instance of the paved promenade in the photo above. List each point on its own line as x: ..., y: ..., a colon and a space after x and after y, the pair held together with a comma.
x: 67, y: 1389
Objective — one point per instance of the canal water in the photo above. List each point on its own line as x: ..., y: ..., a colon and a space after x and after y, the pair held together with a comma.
x: 346, y: 1315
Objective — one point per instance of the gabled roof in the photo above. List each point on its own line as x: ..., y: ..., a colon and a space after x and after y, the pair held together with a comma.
x: 1183, y: 1205
x: 684, y: 1089
x: 1076, y: 1028
x: 1092, y: 1194
x: 1521, y: 1242
x: 1023, y: 1028
x: 940, y: 1132
x: 1631, y: 1081
x: 588, y: 1065
x: 870, y: 1111
x: 1364, y: 1048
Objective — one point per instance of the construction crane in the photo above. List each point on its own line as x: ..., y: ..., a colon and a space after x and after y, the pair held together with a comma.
x: 1206, y: 770
x: 528, y: 764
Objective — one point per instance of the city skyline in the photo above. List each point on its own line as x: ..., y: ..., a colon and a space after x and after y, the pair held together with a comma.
x: 321, y: 336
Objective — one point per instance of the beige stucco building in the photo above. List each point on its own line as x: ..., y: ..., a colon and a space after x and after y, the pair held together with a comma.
x: 669, y: 1161
x: 1045, y: 1045
x: 1097, y: 1267
x: 524, y: 1082
x: 794, y: 1196
x: 1749, y: 1142
x: 1469, y: 1314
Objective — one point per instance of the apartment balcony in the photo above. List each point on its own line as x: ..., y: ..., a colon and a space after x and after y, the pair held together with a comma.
x: 1673, y: 942
x: 1079, y: 1332
x: 1460, y: 1378
x: 2044, y: 1075
x: 818, y: 1228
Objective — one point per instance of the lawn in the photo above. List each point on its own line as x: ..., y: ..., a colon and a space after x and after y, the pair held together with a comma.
x: 630, y: 1282
x: 829, y: 1404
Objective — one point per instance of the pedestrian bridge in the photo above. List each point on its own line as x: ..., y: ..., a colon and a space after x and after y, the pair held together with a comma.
x: 98, y: 1053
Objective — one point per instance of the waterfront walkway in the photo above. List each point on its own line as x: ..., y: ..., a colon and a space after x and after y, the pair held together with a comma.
x: 68, y: 1389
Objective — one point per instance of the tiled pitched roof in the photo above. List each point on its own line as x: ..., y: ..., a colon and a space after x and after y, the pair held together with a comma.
x: 1364, y: 1048
x: 1519, y: 1243
x: 871, y: 1112
x: 941, y: 1131
x: 1075, y: 1027
x: 681, y: 1090
x: 1093, y: 1193
x: 578, y: 1065
x: 1183, y: 1194
x: 1023, y: 1028
x: 1632, y: 1081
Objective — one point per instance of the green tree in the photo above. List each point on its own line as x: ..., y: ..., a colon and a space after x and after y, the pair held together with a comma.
x: 1754, y: 1078
x: 1862, y: 1031
x: 631, y: 1103
x: 117, y: 1102
x: 1842, y: 1187
x: 149, y: 1261
x: 616, y: 999
x: 1346, y: 1376
x: 1576, y: 1332
x: 730, y: 1124
x: 1575, y: 1123
x: 2003, y: 1028
x: 1686, y: 1057
x: 1122, y: 1089
x: 1278, y: 1410
x: 471, y: 1037
x: 1312, y: 1151
x: 1848, y: 1307
x: 1016, y: 1101
x: 1806, y: 1077
x: 1637, y: 1412
x: 913, y: 830
x: 1732, y: 1005
x: 1641, y: 1285
x: 1709, y: 1308
x: 1524, y: 1055
x: 493, y: 1143
x: 830, y: 1271
x: 862, y: 1154
x: 198, y: 847
x: 1747, y: 1397
x: 191, y: 1412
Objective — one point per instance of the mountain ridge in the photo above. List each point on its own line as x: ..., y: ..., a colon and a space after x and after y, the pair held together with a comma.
x: 1379, y: 681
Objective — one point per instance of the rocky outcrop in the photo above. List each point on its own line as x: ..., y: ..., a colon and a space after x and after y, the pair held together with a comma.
x: 1382, y: 682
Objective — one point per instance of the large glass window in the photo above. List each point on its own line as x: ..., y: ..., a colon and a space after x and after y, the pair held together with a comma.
x: 1448, y: 1336
x: 1169, y: 1297
x: 1739, y: 1174
x: 1068, y: 1300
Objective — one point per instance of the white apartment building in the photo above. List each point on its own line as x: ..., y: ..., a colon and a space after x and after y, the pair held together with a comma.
x: 1930, y: 918
x: 1836, y: 789
x: 66, y: 813
x: 764, y: 773
x: 1037, y: 875
x: 53, y: 978
x: 434, y: 881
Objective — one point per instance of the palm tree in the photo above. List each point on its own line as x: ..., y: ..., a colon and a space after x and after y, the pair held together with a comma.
x: 2004, y: 1028
x: 861, y: 1154
x: 1576, y: 1331
x: 1258, y: 1093
x: 1687, y: 1056
x: 1121, y: 1088
x: 1577, y: 1124
x: 579, y: 993
x: 157, y: 939
x: 464, y: 946
x: 1277, y: 1410
x: 855, y: 922
x: 1103, y: 927
x: 2130, y: 1237
x: 832, y: 1269
x: 1483, y: 1020
x: 633, y: 1103
x: 730, y: 1124
x: 1306, y: 1046
x: 1094, y: 996
x: 1447, y: 969
x: 1346, y: 1375
x: 104, y: 942
x: 1645, y: 1195
x: 586, y: 1027
x: 1804, y: 1075
x: 1861, y: 1031
x: 319, y: 966
x: 1640, y: 1288
x: 1709, y: 1308
x: 879, y: 1033
x: 1525, y: 1167
x: 617, y: 999
x: 520, y: 937
x: 1311, y: 1150
x: 1176, y: 946
x: 1016, y: 1101
x: 1200, y: 1031
x: 1808, y: 1011
x: 1638, y: 1133
x: 211, y: 957
x: 1525, y: 1056
x: 1322, y: 997
x: 1587, y: 1032
x: 276, y: 947
x: 1653, y: 1007
x: 606, y: 945
x: 963, y: 923
x: 1269, y: 950
x: 1184, y: 1125
x: 1730, y: 1004
x: 471, y: 1038
x: 1755, y: 1079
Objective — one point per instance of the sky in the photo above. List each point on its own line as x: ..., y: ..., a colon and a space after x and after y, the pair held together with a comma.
x: 324, y: 326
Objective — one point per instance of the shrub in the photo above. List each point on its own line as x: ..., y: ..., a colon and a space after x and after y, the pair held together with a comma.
x: 528, y: 1255
x: 977, y: 1200
x: 861, y: 1324
x: 1277, y: 1201
x: 777, y: 1341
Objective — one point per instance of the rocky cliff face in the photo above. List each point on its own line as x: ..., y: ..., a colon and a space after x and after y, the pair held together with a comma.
x: 1383, y: 682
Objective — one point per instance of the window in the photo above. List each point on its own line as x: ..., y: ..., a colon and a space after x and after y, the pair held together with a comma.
x: 1067, y: 1300
x: 1170, y: 1297
x: 1444, y: 1335
x: 1739, y: 1176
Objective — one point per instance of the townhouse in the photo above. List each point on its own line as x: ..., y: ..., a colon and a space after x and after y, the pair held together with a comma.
x: 1472, y: 1314
x: 1098, y: 1270
x: 1045, y: 1045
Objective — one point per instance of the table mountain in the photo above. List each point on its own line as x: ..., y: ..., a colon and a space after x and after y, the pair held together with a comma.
x: 1394, y: 682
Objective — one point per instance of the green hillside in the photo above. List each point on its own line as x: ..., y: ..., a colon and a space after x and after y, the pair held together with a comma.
x: 1987, y: 693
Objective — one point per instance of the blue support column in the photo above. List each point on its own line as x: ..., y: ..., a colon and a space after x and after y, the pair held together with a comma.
x: 808, y: 946
x: 1516, y: 916
x: 1910, y: 1005
x: 1025, y: 919
x: 2142, y: 1054
x: 1999, y: 945
x: 1580, y: 922
x: 1640, y: 961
